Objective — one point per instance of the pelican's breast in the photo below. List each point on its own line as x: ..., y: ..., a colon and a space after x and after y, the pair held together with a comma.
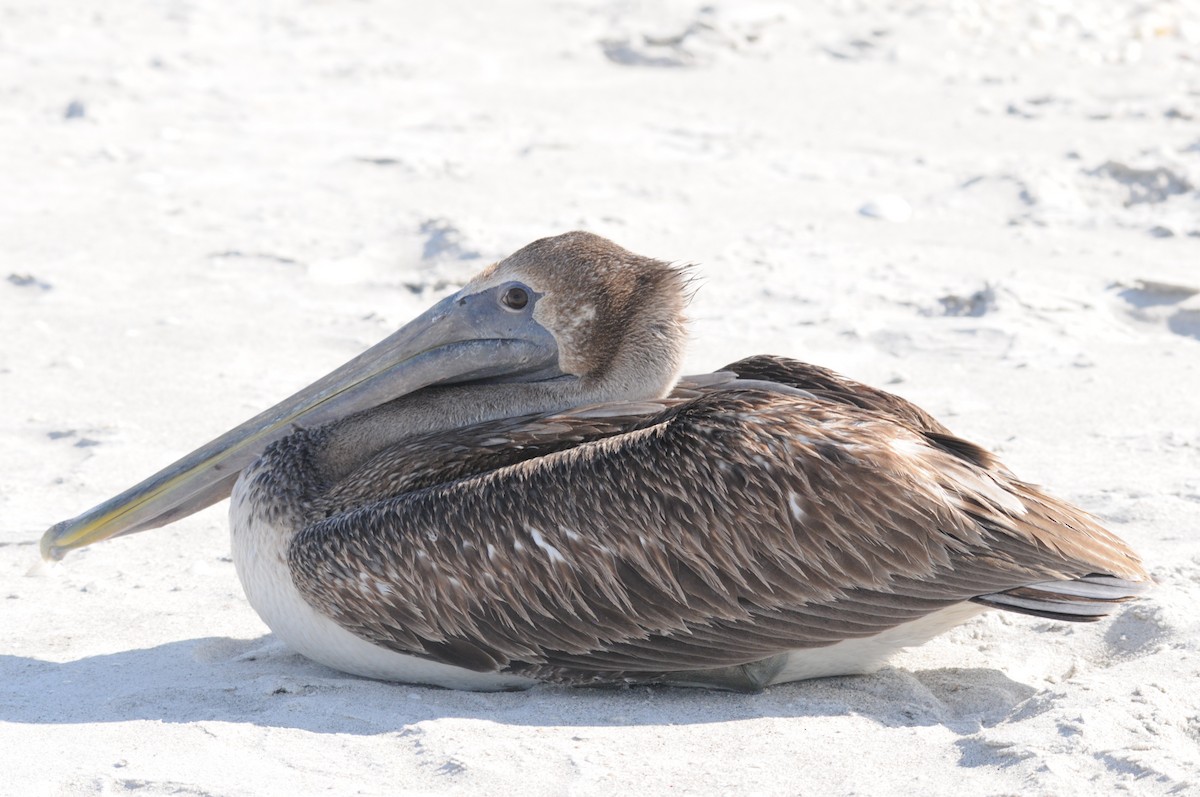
x: 259, y: 543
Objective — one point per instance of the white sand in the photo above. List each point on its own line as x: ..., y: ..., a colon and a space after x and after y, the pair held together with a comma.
x: 991, y: 207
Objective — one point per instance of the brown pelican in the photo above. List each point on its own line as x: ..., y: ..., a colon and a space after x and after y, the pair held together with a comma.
x: 516, y: 487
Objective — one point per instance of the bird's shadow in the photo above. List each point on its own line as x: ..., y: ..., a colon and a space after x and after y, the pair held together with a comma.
x: 260, y: 682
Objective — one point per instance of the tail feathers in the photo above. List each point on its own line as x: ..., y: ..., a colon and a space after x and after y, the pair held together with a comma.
x: 1080, y: 600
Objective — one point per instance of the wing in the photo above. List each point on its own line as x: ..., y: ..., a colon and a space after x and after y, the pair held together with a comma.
x: 832, y: 386
x: 443, y: 457
x: 718, y: 531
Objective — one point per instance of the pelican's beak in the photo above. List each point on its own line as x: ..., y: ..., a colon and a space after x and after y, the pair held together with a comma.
x: 466, y: 336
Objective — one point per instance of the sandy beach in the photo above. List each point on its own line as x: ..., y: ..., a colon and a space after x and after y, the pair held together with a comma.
x: 989, y: 208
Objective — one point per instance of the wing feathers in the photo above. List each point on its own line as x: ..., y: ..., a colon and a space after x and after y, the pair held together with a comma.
x: 716, y: 528
x: 1087, y: 598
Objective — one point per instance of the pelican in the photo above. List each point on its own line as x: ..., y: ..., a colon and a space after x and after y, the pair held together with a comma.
x: 517, y: 487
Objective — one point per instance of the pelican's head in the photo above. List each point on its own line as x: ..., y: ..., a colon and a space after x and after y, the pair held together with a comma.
x: 615, y: 316
x: 573, y: 308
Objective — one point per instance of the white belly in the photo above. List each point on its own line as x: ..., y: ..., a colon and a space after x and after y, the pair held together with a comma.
x: 260, y: 556
x: 868, y: 654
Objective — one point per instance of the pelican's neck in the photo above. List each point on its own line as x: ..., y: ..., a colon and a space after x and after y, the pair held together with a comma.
x: 346, y: 444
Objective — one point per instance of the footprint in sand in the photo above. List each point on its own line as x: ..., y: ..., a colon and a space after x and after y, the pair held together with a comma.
x: 696, y: 39
x: 1176, y: 307
x: 1138, y: 631
x: 1145, y: 186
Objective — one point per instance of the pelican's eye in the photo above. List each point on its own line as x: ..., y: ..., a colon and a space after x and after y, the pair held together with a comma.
x: 515, y: 298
